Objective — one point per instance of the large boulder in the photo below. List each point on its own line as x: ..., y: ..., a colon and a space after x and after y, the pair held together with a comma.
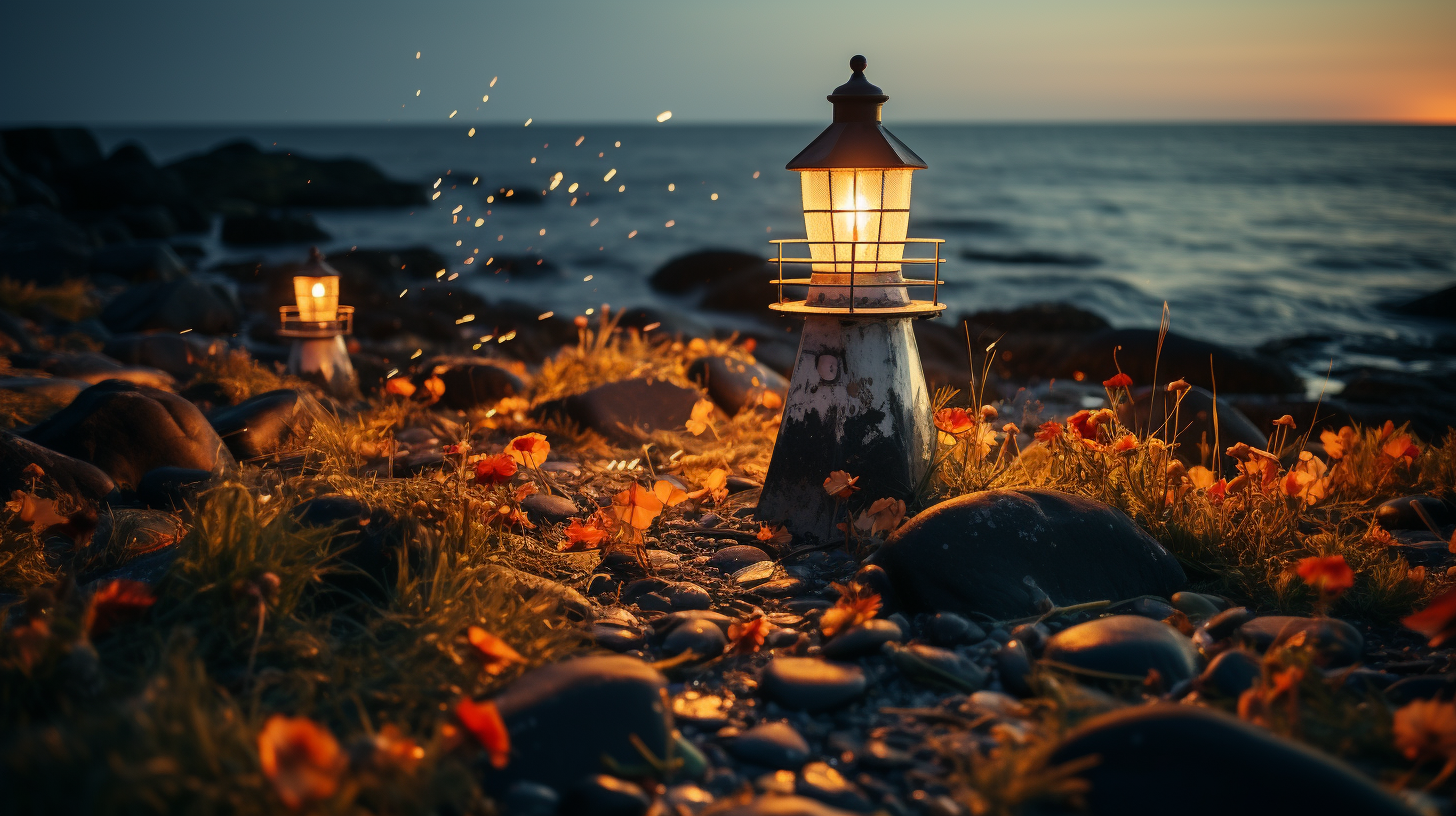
x: 126, y: 430
x: 143, y: 195
x: 471, y: 381
x: 176, y: 354
x: 735, y: 384
x: 1199, y: 762
x: 1236, y: 371
x: 138, y: 262
x: 53, y: 155
x: 264, y: 424
x: 578, y: 717
x: 191, y: 303
x: 1151, y: 409
x: 241, y: 172
x: 972, y: 554
x: 1126, y: 645
x: 39, y: 245
x: 93, y: 368
x: 271, y: 228
x: 698, y: 270
x: 81, y: 480
x: 1439, y: 304
x: 627, y: 411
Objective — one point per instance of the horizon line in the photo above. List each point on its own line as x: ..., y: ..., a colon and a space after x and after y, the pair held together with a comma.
x: 19, y: 124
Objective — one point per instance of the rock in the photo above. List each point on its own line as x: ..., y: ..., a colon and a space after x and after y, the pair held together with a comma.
x: 81, y: 480
x: 811, y: 684
x: 1150, y: 756
x: 1440, y: 305
x: 618, y: 638
x: 683, y: 595
x: 266, y: 424
x: 365, y: 540
x: 192, y: 303
x: 775, y: 805
x: 1155, y: 608
x: 127, y: 430
x: 93, y: 368
x: 698, y: 270
x: 735, y: 384
x: 865, y: 639
x: 1236, y: 371
x: 1153, y: 409
x: 781, y: 588
x: 267, y: 229
x: 874, y: 577
x: 755, y: 575
x: 1195, y: 606
x: 1126, y: 645
x: 138, y: 262
x: 151, y: 202
x: 602, y: 795
x: 1422, y: 687
x: 665, y: 625
x: 1033, y: 636
x: 971, y: 553
x: 543, y: 509
x: 176, y: 354
x: 771, y: 745
x: 938, y: 667
x: 1399, y: 514
x: 544, y: 595
x: 950, y: 629
x: 241, y: 172
x: 1226, y: 623
x: 1013, y: 665
x: 627, y: 411
x: 1336, y: 643
x: 124, y: 535
x: 172, y: 489
x: 471, y: 382
x: 50, y: 392
x: 701, y: 637
x: 734, y: 558
x: 819, y: 780
x: 530, y: 799
x: 565, y: 718
x: 40, y: 246
x: 1229, y: 674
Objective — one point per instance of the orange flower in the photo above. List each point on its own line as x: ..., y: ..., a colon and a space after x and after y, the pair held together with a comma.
x: 856, y: 605
x: 1338, y: 444
x: 1426, y: 729
x: 399, y: 387
x: 887, y: 514
x: 495, y: 469
x: 1178, y: 386
x: 1285, y: 421
x: 483, y: 720
x: 1400, y: 449
x: 668, y: 493
x: 301, y: 758
x: 776, y: 536
x: 497, y: 653
x: 636, y: 506
x: 747, y: 636
x: 702, y: 417
x: 771, y: 400
x: 120, y: 601
x: 1330, y: 574
x: 1124, y: 443
x: 1119, y: 380
x: 529, y: 450
x: 581, y: 537
x: 1437, y: 621
x: 840, y: 484
x: 393, y: 748
x: 1048, y: 432
x: 1218, y: 491
x: 954, y: 421
x: 435, y: 387
x: 715, y: 486
x: 1081, y: 426
x: 1306, y: 480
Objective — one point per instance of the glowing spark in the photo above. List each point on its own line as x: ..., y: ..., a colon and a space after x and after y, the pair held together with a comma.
x: 477, y: 178
x: 594, y: 222
x: 664, y: 116
x: 555, y: 180
x: 713, y: 197
x: 454, y: 275
x: 622, y: 189
x: 440, y: 274
x: 650, y: 326
x: 632, y: 234
x: 590, y: 312
x: 471, y: 133
x: 545, y: 315
x: 479, y: 222
x: 417, y: 55
x: 618, y: 144
x: 490, y: 199
x: 437, y: 182
x: 392, y: 372
x: 610, y: 173
x: 669, y: 223
x: 543, y: 231
x: 573, y: 187
x: 573, y: 201
x: 579, y: 140
x: 510, y: 335
x: 435, y: 196
x: 465, y: 319
x: 584, y: 280
x: 671, y: 187
x: 452, y: 114
x: 417, y: 353
x: 417, y: 93
x: 528, y: 123
x: 492, y: 82
x: 755, y: 174
x: 405, y: 292
x: 458, y: 208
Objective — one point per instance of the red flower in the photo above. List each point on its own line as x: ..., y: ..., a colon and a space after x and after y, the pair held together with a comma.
x: 1081, y: 425
x: 1329, y: 574
x: 301, y: 758
x: 483, y: 720
x: 497, y: 654
x: 121, y: 600
x: 1120, y: 380
x: 494, y: 470
x: 954, y: 421
x: 1048, y: 432
x: 1437, y: 621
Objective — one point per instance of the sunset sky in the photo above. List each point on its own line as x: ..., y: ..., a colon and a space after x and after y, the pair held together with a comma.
x: 155, y: 61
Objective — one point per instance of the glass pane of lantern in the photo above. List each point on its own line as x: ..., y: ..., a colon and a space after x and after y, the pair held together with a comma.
x: 817, y: 223
x: 843, y: 197
x: 318, y: 298
x: 868, y: 206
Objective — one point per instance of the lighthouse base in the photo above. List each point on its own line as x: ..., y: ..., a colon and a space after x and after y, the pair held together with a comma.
x: 325, y: 360
x: 857, y: 402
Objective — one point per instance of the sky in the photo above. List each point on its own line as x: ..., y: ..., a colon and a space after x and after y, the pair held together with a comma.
x: 101, y: 62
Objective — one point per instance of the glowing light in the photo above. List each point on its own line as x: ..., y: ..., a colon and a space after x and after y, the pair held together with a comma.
x: 452, y: 114
x: 317, y: 290
x: 479, y: 222
x: 543, y: 231
x: 579, y: 140
x: 573, y: 187
x: 510, y: 335
x: 713, y: 197
x: 632, y: 234
x: 590, y: 311
x: 545, y: 315
x: 533, y: 160
x: 454, y: 275
x: 440, y: 274
x: 528, y: 123
x: 437, y: 182
x: 573, y: 201
x: 458, y: 243
x: 664, y: 116
x: 671, y: 187
x: 417, y: 93
x: 458, y: 208
x: 417, y: 353
x: 755, y: 174
x: 492, y: 82
x: 669, y: 223
x: 417, y: 55
x: 435, y: 196
x: 485, y: 98
x: 405, y: 292
x: 585, y: 279
x: 594, y: 222
x: 472, y: 133
x: 622, y: 189
x: 617, y: 144
x: 477, y: 178
x: 465, y: 319
x: 555, y: 180
x: 610, y: 173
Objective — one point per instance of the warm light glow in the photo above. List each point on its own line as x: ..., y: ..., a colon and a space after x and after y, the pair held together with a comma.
x: 856, y: 205
x: 318, y: 298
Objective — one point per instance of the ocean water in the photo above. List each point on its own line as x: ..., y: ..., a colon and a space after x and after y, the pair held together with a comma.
x: 1248, y: 233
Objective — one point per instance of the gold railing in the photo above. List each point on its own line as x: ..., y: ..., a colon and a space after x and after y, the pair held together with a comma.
x: 294, y: 326
x: 912, y: 308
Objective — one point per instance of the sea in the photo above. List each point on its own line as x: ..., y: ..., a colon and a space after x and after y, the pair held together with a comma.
x: 1250, y: 234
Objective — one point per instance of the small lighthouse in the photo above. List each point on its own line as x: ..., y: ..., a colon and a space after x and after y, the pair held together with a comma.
x: 857, y: 399
x: 318, y: 326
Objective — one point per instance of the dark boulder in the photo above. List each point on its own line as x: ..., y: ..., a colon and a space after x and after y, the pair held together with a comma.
x: 735, y: 384
x: 603, y: 795
x: 1400, y: 513
x: 1127, y: 645
x: 125, y: 535
x: 191, y: 303
x: 130, y: 185
x: 271, y: 228
x: 93, y: 368
x: 549, y: 509
x: 1237, y: 371
x: 138, y: 262
x: 577, y: 717
x: 241, y: 172
x: 811, y: 683
x: 971, y: 554
x: 366, y: 542
x: 172, y: 489
x: 176, y: 354
x: 1440, y: 305
x: 81, y: 480
x: 627, y: 411
x: 471, y: 381
x: 734, y: 558
x: 49, y: 153
x: 1039, y: 318
x: 39, y: 245
x: 771, y: 745
x: 1212, y: 764
x: 127, y: 430
x: 1230, y: 674
x: 698, y: 270
x: 46, y: 393
x: 747, y: 291
x: 1152, y: 410
x: 265, y: 424
x: 1335, y: 642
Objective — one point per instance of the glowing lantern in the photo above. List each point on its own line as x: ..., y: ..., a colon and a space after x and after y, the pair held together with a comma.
x: 857, y: 399
x: 318, y: 325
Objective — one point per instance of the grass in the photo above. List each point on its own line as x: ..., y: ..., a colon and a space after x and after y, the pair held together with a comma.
x: 72, y: 300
